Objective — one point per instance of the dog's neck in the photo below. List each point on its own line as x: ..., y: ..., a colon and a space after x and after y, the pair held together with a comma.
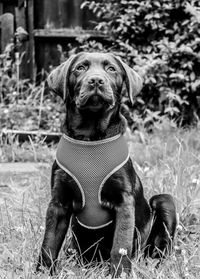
x: 93, y: 126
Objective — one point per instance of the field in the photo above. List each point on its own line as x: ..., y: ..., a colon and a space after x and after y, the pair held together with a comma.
x: 167, y: 160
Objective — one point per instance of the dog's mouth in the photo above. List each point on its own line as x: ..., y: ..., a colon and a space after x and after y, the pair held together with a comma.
x: 94, y: 102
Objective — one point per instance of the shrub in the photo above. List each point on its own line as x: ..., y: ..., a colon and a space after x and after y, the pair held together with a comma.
x: 161, y: 40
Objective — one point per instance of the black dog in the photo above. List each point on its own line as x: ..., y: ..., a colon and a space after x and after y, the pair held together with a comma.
x: 93, y: 181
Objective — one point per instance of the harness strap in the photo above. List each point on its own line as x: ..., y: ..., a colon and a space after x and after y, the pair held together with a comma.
x: 90, y: 164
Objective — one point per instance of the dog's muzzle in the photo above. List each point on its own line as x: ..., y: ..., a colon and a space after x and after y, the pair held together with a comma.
x: 95, y: 94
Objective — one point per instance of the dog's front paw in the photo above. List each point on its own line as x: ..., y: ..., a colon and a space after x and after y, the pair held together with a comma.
x: 120, y: 264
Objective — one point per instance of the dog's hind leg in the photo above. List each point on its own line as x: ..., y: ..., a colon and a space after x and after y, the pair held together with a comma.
x: 57, y: 223
x: 160, y: 240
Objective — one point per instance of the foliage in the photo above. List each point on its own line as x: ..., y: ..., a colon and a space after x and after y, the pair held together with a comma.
x: 24, y: 105
x: 31, y: 114
x: 31, y: 110
x: 7, y: 83
x: 161, y: 40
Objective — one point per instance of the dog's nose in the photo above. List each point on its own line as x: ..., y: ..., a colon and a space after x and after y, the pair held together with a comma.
x: 96, y: 81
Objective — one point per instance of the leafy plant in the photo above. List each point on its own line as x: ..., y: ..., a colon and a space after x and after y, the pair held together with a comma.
x: 160, y: 39
x: 24, y: 105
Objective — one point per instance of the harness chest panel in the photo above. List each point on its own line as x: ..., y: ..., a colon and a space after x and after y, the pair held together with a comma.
x: 90, y: 164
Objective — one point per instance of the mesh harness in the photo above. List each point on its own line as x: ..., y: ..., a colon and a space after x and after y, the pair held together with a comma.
x: 90, y: 164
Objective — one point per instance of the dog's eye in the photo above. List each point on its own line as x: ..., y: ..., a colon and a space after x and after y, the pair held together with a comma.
x: 81, y: 68
x: 111, y: 69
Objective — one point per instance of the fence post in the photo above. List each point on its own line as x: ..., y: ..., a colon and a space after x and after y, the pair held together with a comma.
x: 7, y: 29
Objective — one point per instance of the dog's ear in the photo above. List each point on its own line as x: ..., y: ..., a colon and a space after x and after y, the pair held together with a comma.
x: 58, y: 79
x: 133, y: 80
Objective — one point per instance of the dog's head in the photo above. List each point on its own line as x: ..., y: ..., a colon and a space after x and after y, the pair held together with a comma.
x: 94, y: 81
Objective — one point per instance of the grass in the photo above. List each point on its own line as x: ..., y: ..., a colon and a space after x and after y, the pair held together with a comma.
x: 33, y: 150
x: 167, y: 161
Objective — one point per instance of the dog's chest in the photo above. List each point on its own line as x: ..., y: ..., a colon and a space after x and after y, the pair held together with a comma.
x: 90, y: 164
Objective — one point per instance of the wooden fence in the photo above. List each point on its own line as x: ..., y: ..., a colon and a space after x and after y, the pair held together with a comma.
x: 48, y: 24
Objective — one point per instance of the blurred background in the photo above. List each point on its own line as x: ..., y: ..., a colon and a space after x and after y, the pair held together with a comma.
x: 160, y: 39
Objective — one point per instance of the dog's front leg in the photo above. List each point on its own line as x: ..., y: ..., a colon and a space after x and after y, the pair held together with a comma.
x: 123, y: 236
x: 57, y: 223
